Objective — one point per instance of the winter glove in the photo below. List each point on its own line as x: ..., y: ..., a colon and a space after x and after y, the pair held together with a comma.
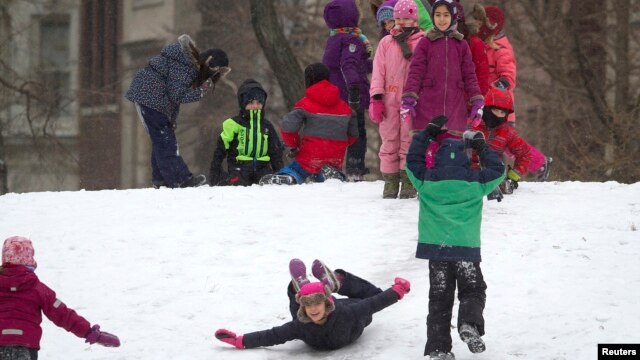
x: 101, y: 337
x: 376, y: 110
x: 434, y: 128
x: 401, y: 287
x: 354, y: 98
x: 475, y: 140
x: 513, y: 175
x: 292, y: 153
x: 502, y: 83
x: 408, y: 108
x: 230, y: 338
x: 476, y: 112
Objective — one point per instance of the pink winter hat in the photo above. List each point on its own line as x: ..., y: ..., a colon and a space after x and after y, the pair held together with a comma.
x: 313, y: 293
x: 18, y: 250
x: 406, y: 9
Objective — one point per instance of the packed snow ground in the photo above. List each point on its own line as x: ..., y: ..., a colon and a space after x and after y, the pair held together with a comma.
x: 163, y: 269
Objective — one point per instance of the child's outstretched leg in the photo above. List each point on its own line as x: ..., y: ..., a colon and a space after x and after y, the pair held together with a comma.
x: 472, y: 296
x: 355, y: 287
x: 442, y: 287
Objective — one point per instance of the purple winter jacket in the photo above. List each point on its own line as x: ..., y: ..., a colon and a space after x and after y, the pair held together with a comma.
x: 23, y: 299
x: 345, y: 55
x: 440, y: 72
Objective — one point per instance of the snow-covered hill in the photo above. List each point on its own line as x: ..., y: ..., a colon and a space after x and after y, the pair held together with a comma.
x: 163, y: 269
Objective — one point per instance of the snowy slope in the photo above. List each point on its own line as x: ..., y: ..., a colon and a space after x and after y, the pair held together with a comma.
x: 163, y: 269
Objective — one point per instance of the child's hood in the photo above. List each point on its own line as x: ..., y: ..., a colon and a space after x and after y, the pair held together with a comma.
x: 245, y: 87
x: 323, y: 93
x: 17, y: 278
x: 181, y: 52
x: 451, y: 154
x: 341, y: 13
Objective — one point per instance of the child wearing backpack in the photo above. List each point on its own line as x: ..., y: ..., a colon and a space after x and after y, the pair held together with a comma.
x: 23, y: 300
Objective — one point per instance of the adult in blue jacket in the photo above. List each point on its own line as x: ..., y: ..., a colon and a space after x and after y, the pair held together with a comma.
x: 320, y: 320
x: 180, y: 74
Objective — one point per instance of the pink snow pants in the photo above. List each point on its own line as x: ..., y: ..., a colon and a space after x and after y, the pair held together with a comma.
x: 396, y: 138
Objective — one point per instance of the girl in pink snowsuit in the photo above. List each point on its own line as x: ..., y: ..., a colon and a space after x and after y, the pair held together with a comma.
x: 390, y: 69
x: 23, y: 299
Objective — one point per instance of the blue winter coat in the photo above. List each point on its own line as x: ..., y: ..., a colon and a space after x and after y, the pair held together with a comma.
x: 344, y: 325
x: 345, y: 54
x: 167, y: 80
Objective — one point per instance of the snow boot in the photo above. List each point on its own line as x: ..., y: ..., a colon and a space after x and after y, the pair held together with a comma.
x: 391, y: 185
x: 277, y: 179
x: 325, y: 275
x: 298, y: 272
x: 329, y: 172
x: 507, y: 186
x: 441, y: 355
x: 194, y: 181
x: 496, y: 194
x: 407, y: 191
x: 157, y: 184
x: 543, y: 172
x: 469, y: 334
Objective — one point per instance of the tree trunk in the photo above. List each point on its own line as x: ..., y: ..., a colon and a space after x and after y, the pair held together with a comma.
x: 4, y: 174
x: 622, y: 65
x: 277, y: 50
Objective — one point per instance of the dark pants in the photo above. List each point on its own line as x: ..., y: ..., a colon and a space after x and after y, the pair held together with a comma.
x: 166, y: 163
x: 356, y: 152
x: 247, y: 173
x: 351, y: 286
x: 18, y: 353
x: 443, y: 276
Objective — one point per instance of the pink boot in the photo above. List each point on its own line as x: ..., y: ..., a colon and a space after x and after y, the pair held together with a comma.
x: 325, y: 275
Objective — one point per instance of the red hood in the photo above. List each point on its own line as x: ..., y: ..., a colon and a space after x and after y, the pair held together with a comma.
x: 17, y: 277
x: 323, y: 93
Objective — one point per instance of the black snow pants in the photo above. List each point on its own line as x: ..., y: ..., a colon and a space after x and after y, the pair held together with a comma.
x: 18, y: 353
x: 443, y: 276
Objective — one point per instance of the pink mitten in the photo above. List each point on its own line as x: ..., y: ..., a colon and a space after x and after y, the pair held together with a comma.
x: 101, y: 337
x: 376, y: 110
x: 230, y: 338
x: 401, y: 286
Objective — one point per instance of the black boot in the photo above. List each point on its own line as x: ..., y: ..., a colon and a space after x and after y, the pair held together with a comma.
x: 194, y: 181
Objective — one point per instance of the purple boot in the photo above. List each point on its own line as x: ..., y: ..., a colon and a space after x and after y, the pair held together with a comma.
x: 298, y: 272
x: 325, y: 275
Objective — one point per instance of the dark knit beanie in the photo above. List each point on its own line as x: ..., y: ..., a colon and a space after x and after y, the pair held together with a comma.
x: 315, y: 73
x: 255, y: 93
x: 218, y: 57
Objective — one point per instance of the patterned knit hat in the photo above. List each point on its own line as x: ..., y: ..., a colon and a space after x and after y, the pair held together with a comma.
x: 385, y: 12
x: 314, y: 293
x: 18, y: 250
x: 406, y: 9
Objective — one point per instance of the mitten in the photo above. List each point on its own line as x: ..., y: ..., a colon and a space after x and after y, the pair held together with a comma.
x: 230, y: 338
x: 408, y: 108
x: 401, y: 286
x: 476, y: 110
x: 434, y: 128
x: 354, y: 98
x: 101, y: 337
x: 513, y: 175
x: 474, y: 140
x: 502, y: 83
x: 376, y: 110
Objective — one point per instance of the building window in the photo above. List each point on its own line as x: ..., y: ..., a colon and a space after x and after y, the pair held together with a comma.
x: 54, y: 63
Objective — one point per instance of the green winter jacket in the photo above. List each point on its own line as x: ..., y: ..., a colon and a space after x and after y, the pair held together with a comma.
x: 451, y: 197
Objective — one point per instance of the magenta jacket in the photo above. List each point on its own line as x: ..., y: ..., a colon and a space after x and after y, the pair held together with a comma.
x: 440, y: 72
x: 23, y: 299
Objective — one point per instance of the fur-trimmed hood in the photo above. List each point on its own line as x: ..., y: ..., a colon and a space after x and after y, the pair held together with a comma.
x: 477, y: 17
x: 435, y: 34
x: 189, y: 49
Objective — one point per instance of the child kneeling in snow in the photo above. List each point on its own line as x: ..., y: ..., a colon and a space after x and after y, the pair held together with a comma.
x: 23, y: 299
x: 327, y: 129
x: 320, y: 320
